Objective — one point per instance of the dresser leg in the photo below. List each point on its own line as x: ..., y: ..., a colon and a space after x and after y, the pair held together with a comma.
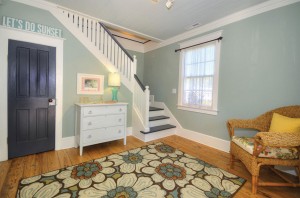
x: 125, y: 140
x: 80, y: 150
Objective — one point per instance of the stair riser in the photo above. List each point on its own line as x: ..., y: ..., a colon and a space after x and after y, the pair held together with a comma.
x: 159, y: 122
x: 156, y: 113
x: 158, y: 135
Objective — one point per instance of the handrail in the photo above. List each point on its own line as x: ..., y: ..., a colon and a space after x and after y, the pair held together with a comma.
x: 118, y: 43
x: 139, y: 82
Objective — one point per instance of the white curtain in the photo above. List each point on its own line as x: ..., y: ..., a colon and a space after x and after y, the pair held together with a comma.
x: 198, y: 75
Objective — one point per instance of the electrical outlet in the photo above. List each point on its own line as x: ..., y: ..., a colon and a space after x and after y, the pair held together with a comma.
x: 174, y: 91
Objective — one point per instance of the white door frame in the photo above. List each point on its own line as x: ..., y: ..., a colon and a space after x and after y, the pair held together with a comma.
x: 20, y: 35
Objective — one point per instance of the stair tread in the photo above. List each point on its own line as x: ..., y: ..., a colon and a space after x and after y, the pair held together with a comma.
x: 158, y: 118
x: 159, y: 128
x: 155, y: 109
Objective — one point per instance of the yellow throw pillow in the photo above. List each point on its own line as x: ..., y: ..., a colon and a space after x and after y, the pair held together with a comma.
x: 282, y: 123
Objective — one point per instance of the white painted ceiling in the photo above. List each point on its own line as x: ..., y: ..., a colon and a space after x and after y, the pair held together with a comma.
x: 154, y: 19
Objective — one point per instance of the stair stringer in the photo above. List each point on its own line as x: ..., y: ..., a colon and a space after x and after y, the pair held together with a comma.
x: 91, y: 47
x: 137, y: 125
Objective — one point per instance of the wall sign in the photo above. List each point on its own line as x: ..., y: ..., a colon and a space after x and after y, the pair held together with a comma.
x: 31, y: 26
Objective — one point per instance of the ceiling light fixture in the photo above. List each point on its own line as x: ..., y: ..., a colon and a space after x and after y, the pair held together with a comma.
x: 169, y: 3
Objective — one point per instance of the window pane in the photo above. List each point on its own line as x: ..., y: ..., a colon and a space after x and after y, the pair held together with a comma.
x: 207, y: 98
x: 192, y: 98
x: 210, y: 53
x: 207, y: 83
x: 209, y: 68
x: 192, y: 84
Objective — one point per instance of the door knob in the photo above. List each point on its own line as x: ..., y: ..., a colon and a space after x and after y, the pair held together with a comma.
x: 51, y: 102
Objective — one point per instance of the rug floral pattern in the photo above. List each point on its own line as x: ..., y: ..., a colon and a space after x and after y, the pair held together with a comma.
x: 153, y: 171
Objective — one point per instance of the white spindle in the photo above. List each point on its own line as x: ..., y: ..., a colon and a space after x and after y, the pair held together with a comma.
x: 122, y: 62
x: 106, y: 44
x: 102, y: 40
x: 119, y: 59
x: 109, y: 47
x: 96, y: 31
x: 84, y: 25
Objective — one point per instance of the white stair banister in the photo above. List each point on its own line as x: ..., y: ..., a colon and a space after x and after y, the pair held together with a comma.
x: 99, y: 40
x: 146, y: 109
x: 141, y: 96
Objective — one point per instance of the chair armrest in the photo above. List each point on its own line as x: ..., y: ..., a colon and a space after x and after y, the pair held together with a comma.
x: 278, y: 139
x: 242, y: 124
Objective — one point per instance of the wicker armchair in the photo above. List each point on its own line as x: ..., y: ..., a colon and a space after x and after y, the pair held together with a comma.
x: 263, y: 140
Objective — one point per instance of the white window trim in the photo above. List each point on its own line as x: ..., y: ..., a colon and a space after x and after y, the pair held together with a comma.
x: 214, y: 110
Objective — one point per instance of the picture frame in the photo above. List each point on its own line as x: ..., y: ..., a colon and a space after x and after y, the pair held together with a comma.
x: 90, y: 84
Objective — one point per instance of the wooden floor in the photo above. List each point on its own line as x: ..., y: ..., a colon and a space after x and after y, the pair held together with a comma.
x: 12, y: 171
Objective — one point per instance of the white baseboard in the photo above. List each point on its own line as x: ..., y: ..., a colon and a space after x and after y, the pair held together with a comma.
x: 69, y: 142
x: 207, y: 140
x: 129, y: 131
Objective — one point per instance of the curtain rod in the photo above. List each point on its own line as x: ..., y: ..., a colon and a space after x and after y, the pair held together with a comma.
x: 217, y: 39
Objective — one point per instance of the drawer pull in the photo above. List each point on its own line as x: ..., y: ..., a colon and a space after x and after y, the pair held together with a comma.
x: 90, y: 112
x: 90, y: 123
x: 120, y: 109
x: 89, y: 136
x: 120, y: 119
x: 119, y: 131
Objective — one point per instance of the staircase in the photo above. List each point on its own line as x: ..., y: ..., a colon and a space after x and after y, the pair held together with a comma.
x: 93, y: 34
x: 149, y: 122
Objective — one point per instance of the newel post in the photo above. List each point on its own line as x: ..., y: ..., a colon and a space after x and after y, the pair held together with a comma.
x: 133, y: 69
x: 146, y: 116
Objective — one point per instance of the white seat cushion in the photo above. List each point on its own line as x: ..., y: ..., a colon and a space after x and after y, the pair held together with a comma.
x: 247, y: 144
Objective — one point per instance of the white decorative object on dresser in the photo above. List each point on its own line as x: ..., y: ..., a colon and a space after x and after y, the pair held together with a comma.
x: 97, y: 123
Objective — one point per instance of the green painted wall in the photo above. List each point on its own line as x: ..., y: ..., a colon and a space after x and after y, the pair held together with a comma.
x: 77, y: 59
x: 259, y: 70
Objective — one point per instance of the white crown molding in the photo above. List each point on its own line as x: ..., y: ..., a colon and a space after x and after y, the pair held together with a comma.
x: 246, y: 13
x: 45, y: 5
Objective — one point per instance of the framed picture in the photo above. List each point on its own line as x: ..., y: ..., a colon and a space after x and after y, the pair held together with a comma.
x: 90, y: 84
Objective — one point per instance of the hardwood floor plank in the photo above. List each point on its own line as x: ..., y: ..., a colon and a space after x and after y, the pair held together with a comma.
x: 11, y: 171
x: 64, y: 159
x: 43, y: 162
x: 4, y: 167
x: 14, y: 174
x: 29, y: 166
x: 75, y: 158
x: 53, y: 160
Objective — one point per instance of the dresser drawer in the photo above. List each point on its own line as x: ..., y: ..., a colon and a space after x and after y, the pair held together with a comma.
x: 95, y: 122
x: 103, y: 134
x: 93, y: 111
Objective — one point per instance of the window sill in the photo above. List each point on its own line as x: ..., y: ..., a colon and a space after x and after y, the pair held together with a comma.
x: 204, y: 111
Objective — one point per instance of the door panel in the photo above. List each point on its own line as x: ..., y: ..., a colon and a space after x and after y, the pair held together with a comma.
x: 31, y: 83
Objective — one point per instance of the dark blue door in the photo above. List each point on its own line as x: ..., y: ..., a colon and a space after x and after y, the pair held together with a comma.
x: 31, y: 85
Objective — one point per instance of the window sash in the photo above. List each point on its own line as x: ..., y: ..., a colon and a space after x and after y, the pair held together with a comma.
x: 197, y: 83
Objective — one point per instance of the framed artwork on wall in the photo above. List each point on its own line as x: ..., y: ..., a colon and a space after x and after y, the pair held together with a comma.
x: 90, y: 84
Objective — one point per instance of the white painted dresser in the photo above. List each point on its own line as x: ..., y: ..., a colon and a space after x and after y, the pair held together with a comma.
x: 97, y: 123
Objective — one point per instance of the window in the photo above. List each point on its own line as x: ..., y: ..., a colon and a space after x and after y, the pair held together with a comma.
x: 199, y: 69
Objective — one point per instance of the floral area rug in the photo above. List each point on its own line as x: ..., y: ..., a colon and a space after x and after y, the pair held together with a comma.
x: 156, y: 170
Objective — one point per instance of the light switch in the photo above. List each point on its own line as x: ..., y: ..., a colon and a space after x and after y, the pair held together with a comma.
x: 174, y: 91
